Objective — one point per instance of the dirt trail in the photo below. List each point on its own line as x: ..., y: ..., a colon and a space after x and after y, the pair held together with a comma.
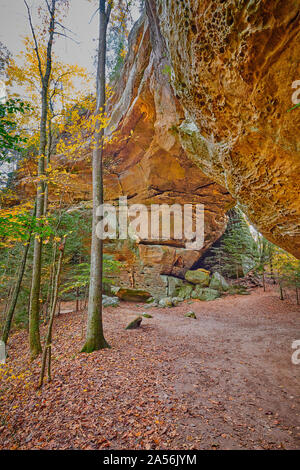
x: 224, y: 380
x: 234, y: 370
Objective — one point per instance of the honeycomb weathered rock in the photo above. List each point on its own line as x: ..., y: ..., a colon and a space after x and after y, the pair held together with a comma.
x: 233, y: 64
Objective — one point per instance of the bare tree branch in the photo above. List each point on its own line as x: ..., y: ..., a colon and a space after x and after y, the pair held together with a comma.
x: 65, y: 36
x: 57, y: 81
x: 48, y: 6
x: 50, y: 42
x: 65, y: 28
x: 35, y: 42
x: 93, y: 15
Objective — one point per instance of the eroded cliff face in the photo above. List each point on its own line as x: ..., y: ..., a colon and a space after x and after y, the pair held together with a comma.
x: 200, y: 115
x: 147, y: 163
x: 150, y: 165
x: 233, y: 64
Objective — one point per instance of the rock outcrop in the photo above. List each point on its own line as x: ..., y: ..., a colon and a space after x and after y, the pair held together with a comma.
x: 146, y: 162
x: 233, y: 64
x: 203, y: 99
x: 150, y: 165
x: 200, y: 115
x: 198, y: 276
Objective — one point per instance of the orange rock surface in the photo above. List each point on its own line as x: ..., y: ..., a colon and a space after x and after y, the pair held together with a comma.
x: 233, y: 64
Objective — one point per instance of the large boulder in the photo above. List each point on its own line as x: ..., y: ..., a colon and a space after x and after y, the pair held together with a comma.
x: 199, y: 276
x: 173, y: 285
x: 185, y: 292
x: 205, y: 294
x: 218, y: 282
x: 166, y: 302
x: 133, y: 295
x: 108, y: 301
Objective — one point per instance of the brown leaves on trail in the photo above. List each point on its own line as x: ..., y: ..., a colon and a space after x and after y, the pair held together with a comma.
x: 109, y: 399
x: 223, y: 381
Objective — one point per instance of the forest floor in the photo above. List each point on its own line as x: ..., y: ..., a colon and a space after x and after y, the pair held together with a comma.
x: 222, y: 381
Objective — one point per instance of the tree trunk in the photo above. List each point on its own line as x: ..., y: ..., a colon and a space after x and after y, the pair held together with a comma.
x: 34, y: 309
x: 77, y: 300
x: 48, y: 339
x: 271, y: 267
x: 34, y: 331
x: 281, y: 291
x: 94, y: 335
x: 7, y: 303
x: 16, y: 290
x: 49, y: 151
x: 85, y: 297
x: 52, y: 277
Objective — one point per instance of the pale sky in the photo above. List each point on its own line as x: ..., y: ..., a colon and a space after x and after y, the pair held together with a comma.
x: 14, y: 25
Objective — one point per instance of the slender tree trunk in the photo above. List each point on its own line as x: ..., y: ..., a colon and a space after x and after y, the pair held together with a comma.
x: 77, y: 300
x: 16, y: 291
x: 48, y: 339
x: 7, y: 303
x: 281, y: 291
x: 51, y: 284
x: 10, y: 290
x: 297, y: 295
x: 271, y: 267
x: 34, y: 309
x: 85, y: 297
x: 264, y: 280
x: 94, y: 335
x: 34, y: 317
x: 52, y: 278
x: 47, y: 164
